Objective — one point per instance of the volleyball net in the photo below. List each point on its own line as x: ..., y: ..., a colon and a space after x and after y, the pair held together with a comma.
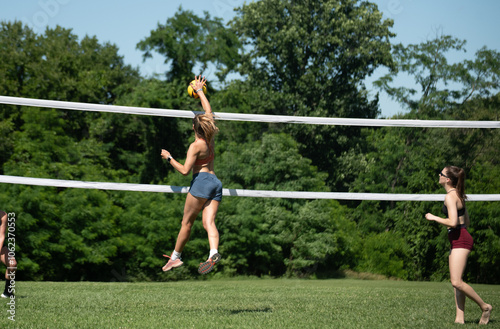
x: 249, y: 118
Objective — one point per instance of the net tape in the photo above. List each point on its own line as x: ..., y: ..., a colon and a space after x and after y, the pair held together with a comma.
x: 249, y: 117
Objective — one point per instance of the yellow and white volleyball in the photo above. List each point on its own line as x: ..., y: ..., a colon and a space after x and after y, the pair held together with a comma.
x: 193, y: 93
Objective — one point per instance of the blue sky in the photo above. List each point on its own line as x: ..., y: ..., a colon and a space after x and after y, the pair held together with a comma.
x: 127, y: 22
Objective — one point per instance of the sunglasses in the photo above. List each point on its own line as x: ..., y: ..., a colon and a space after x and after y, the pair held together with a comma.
x: 441, y: 174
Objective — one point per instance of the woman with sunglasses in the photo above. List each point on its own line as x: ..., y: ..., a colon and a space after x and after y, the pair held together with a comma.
x: 457, y: 220
x: 205, y: 193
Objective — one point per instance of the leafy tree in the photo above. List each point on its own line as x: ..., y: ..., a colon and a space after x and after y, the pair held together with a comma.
x: 244, y: 97
x: 56, y: 66
x: 270, y: 164
x: 280, y: 236
x: 63, y: 231
x: 187, y: 41
x: 321, y: 238
x: 145, y: 136
x: 428, y: 64
x: 473, y: 81
x: 312, y: 58
x: 478, y: 150
x: 19, y: 51
x: 6, y: 142
x: 384, y: 253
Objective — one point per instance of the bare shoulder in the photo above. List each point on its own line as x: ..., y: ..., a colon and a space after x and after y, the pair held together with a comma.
x: 197, y: 146
x: 452, y: 199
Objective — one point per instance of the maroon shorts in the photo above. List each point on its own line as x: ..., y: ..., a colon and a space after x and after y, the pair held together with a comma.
x: 460, y: 238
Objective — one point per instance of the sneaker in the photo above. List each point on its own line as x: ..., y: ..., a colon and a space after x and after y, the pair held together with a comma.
x: 6, y: 295
x: 209, y: 264
x: 171, y: 263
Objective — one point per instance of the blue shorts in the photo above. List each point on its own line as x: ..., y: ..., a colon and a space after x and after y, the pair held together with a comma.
x: 207, y: 186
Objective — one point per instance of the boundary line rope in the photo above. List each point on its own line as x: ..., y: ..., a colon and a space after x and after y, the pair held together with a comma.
x: 238, y: 192
x: 249, y: 117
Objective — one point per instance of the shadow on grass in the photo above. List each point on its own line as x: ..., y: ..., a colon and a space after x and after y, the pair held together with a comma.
x: 253, y: 310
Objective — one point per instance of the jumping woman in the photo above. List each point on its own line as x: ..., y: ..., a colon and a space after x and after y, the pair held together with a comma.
x: 457, y: 220
x: 205, y: 193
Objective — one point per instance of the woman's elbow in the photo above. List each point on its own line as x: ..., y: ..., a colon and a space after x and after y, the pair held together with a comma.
x: 185, y: 172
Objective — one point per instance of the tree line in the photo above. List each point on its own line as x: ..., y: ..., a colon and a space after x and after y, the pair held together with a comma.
x: 308, y: 59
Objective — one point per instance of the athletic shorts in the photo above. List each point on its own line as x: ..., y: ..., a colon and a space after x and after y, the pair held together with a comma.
x: 460, y: 238
x: 207, y: 186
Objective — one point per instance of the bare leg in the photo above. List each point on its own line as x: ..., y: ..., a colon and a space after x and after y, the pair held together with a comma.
x: 457, y: 261
x: 460, y: 303
x: 209, y: 213
x: 192, y: 208
x: 10, y: 263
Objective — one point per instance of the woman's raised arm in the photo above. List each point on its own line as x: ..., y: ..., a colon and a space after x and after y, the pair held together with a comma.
x: 199, y: 82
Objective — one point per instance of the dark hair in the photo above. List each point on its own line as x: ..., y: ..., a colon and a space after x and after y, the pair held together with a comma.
x: 204, y: 126
x: 457, y: 177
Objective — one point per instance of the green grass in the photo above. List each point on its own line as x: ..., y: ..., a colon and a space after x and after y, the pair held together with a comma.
x: 243, y: 303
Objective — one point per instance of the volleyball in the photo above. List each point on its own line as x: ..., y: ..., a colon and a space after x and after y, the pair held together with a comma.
x: 191, y: 91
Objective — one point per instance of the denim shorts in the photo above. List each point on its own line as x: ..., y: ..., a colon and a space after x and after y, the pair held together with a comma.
x: 207, y: 186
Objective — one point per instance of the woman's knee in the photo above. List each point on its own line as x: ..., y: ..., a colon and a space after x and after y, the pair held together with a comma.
x: 457, y: 284
x: 209, y: 223
x: 8, y: 261
x: 187, y: 224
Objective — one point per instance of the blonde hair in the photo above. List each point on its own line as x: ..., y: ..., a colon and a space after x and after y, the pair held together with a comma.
x: 204, y: 126
x: 457, y: 177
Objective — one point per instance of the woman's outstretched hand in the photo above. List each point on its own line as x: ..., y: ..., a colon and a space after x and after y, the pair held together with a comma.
x: 199, y: 82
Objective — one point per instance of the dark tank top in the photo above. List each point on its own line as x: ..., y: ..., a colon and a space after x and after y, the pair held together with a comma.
x: 460, y: 212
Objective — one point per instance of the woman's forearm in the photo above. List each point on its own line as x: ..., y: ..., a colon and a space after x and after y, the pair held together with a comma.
x: 443, y: 221
x: 179, y: 167
x: 204, y: 102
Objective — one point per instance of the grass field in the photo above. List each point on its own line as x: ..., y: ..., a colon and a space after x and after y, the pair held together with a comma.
x: 243, y: 303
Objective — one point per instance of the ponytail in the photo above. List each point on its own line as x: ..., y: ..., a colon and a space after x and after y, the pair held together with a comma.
x: 457, y: 177
x: 205, y: 127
